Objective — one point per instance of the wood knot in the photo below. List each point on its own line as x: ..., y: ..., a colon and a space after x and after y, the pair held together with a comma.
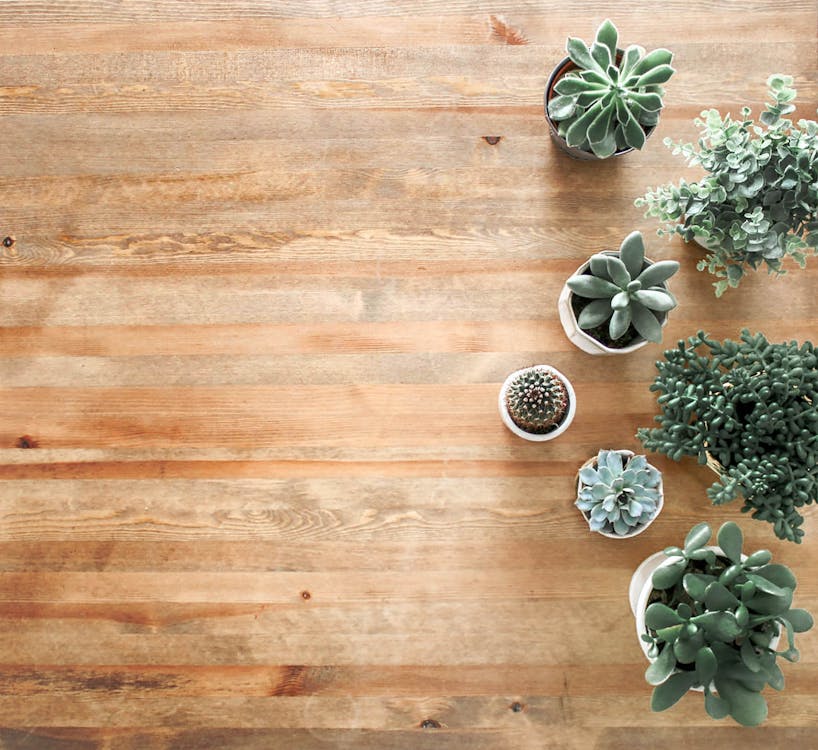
x: 430, y: 724
x: 305, y: 595
x: 8, y: 241
x: 26, y: 441
x: 516, y: 707
x: 492, y: 140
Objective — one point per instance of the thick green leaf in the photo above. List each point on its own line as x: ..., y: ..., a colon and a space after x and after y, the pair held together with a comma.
x: 651, y: 60
x: 765, y: 585
x: 607, y: 34
x: 592, y: 287
x: 760, y: 557
x: 695, y: 585
x: 780, y: 575
x: 581, y: 56
x: 716, y: 707
x: 632, y: 130
x: 749, y: 656
x: 595, y: 313
x: 659, y: 670
x: 697, y: 537
x: 668, y: 575
x: 645, y: 323
x: 654, y: 300
x: 618, y: 272
x: 620, y: 322
x: 601, y: 54
x: 671, y: 690
x: 606, y: 147
x: 718, y: 597
x: 632, y: 253
x: 601, y: 124
x: 706, y: 665
x: 747, y: 707
x: 658, y: 272
x: 660, y: 74
x: 577, y: 133
x: 599, y: 266
x: 571, y: 85
x: 800, y: 619
x: 561, y: 107
x: 719, y: 626
x: 685, y: 649
x: 730, y: 540
x: 647, y: 101
x: 659, y: 615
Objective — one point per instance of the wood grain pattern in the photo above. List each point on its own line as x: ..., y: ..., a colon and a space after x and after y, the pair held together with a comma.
x: 267, y: 264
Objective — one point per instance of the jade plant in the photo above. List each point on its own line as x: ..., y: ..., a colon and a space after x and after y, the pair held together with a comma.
x: 537, y: 400
x: 625, y: 293
x: 758, y: 203
x: 619, y: 494
x: 749, y: 410
x: 605, y: 104
x: 713, y: 622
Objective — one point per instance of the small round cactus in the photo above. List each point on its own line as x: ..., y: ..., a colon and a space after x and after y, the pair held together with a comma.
x: 537, y: 400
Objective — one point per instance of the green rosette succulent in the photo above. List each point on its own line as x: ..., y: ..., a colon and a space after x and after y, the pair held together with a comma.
x: 607, y: 102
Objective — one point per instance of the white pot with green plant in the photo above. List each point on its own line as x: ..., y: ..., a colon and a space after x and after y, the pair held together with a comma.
x: 758, y: 203
x: 616, y: 302
x: 709, y: 619
x: 619, y: 494
x: 537, y: 403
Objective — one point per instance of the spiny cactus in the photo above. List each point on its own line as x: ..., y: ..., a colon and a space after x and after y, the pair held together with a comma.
x: 620, y: 494
x: 711, y: 621
x: 608, y: 102
x: 624, y: 293
x: 749, y: 410
x: 537, y: 400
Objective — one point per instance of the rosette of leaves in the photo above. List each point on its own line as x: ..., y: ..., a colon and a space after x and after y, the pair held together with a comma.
x: 537, y: 400
x: 713, y: 622
x: 758, y: 203
x: 747, y: 409
x: 607, y: 102
x: 624, y: 292
x: 618, y: 494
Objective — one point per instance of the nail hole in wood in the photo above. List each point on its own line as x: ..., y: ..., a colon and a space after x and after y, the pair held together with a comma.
x: 26, y: 441
x: 492, y: 140
x: 8, y: 242
x: 516, y: 707
x: 430, y: 724
x: 305, y: 595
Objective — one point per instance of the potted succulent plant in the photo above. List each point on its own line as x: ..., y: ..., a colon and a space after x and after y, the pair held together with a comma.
x: 710, y: 619
x: 758, y: 203
x: 617, y: 301
x: 602, y: 101
x: 747, y: 409
x: 619, y: 494
x: 537, y: 403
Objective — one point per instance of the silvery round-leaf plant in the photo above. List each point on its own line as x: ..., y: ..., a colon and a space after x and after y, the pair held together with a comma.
x: 758, y: 203
x: 620, y: 494
x: 606, y: 104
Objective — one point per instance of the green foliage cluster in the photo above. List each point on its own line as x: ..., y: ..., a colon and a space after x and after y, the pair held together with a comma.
x: 749, y: 409
x: 537, y: 400
x: 624, y: 292
x: 716, y: 623
x: 759, y: 201
x: 605, y: 104
x: 619, y: 494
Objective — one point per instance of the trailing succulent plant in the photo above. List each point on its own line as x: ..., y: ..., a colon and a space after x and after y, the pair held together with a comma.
x: 619, y: 494
x: 749, y: 410
x: 713, y: 622
x: 759, y: 200
x: 624, y: 293
x: 537, y: 400
x: 607, y: 102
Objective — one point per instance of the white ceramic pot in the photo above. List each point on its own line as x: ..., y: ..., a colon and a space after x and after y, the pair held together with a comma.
x: 580, y: 338
x: 637, y: 529
x: 640, y: 590
x: 562, y: 427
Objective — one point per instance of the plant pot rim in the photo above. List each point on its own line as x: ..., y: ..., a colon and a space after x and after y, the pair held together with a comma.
x: 534, y: 437
x: 571, y: 325
x: 563, y: 67
x: 636, y: 529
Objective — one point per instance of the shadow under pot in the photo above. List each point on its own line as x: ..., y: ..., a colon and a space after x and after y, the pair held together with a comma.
x: 597, y: 340
x: 565, y: 67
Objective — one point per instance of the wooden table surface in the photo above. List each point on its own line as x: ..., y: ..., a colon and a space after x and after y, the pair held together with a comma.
x: 270, y: 261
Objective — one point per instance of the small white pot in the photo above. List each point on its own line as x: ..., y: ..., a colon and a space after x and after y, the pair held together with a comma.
x: 580, y: 338
x: 562, y: 427
x: 637, y: 529
x: 640, y: 590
